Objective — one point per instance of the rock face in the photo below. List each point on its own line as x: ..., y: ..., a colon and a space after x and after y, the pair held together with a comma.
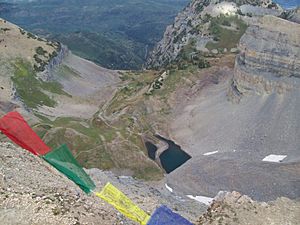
x: 269, y: 59
x: 234, y: 208
x: 292, y: 15
x: 47, y: 74
x: 193, y: 24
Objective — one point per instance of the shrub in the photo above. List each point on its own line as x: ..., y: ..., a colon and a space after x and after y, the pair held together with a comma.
x: 5, y: 29
x: 199, y: 7
x: 226, y: 23
x: 22, y: 31
x: 30, y: 35
x: 40, y: 51
x: 37, y: 59
x: 203, y: 63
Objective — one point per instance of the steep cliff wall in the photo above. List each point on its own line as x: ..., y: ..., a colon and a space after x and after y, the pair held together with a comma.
x: 269, y: 59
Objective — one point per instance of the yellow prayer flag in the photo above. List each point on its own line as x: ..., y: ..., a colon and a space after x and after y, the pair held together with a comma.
x: 122, y: 203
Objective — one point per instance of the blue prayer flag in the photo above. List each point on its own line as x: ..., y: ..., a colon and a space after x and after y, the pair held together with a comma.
x: 164, y: 216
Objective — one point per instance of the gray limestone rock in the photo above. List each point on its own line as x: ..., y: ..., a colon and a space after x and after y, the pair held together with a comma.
x: 269, y: 58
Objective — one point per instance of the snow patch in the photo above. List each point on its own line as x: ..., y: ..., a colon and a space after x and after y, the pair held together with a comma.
x: 274, y: 158
x: 202, y: 199
x: 124, y: 177
x: 169, y: 188
x: 210, y: 153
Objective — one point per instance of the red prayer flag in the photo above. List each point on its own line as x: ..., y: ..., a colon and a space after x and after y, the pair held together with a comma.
x: 15, y: 128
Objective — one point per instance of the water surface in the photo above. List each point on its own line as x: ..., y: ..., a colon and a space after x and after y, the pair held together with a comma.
x: 173, y: 157
x: 151, y: 150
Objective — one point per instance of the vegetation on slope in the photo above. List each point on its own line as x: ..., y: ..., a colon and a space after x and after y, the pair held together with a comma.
x: 227, y: 31
x: 30, y: 89
x: 112, y: 138
x: 105, y: 142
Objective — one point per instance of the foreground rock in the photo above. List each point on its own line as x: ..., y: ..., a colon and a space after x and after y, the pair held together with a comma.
x: 33, y: 192
x: 234, y: 208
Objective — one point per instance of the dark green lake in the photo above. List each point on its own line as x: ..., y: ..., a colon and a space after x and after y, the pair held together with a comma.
x: 173, y: 157
x: 151, y: 149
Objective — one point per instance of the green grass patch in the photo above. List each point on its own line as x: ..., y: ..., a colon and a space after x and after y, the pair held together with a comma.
x: 29, y: 88
x: 227, y: 31
x: 54, y: 87
x: 90, y: 150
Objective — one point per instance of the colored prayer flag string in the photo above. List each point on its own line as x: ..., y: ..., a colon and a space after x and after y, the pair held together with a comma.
x: 63, y: 160
x: 122, y: 203
x: 16, y: 128
x: 165, y: 216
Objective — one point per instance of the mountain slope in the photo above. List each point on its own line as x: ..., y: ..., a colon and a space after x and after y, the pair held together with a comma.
x: 241, y: 121
x: 20, y: 50
x: 63, y: 102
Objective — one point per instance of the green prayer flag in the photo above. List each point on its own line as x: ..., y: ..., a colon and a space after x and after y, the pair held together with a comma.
x: 63, y: 160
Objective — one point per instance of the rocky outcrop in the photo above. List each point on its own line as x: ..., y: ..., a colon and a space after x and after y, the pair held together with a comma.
x: 47, y: 74
x: 292, y: 15
x: 269, y: 59
x: 235, y: 209
x: 194, y: 21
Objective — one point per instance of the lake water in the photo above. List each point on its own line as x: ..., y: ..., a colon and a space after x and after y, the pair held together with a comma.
x: 173, y: 157
x: 151, y: 150
x: 288, y: 3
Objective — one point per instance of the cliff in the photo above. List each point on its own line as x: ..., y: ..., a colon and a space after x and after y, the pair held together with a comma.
x: 269, y: 59
x: 17, y: 44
